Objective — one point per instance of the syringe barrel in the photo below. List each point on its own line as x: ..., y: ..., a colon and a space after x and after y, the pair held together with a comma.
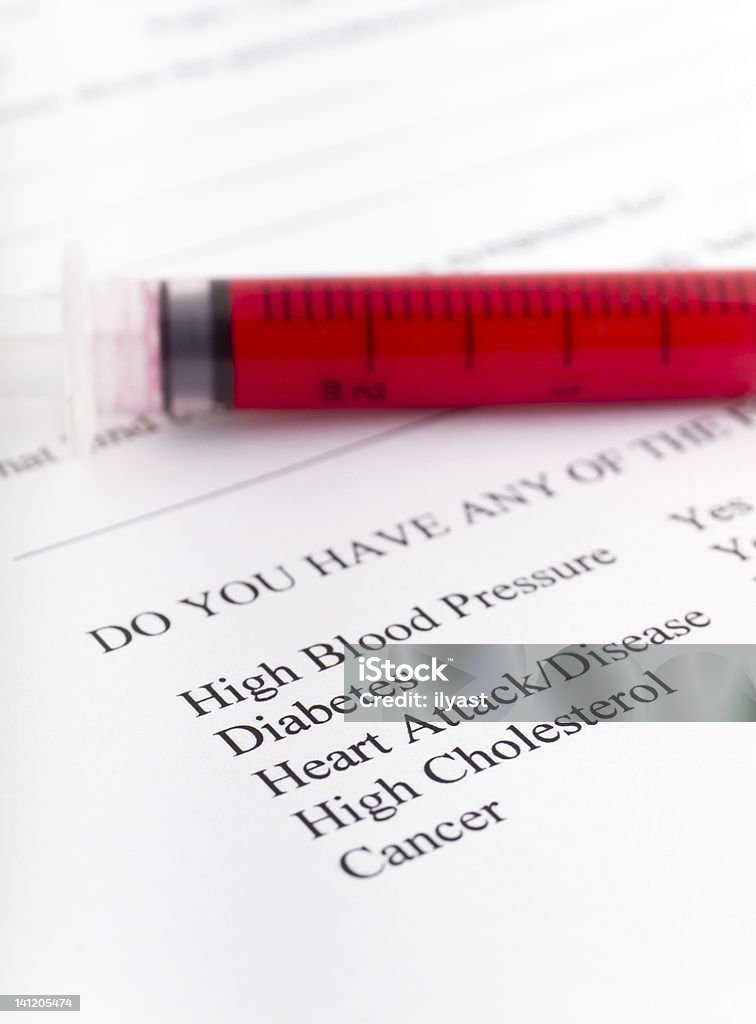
x: 193, y: 345
x: 458, y: 340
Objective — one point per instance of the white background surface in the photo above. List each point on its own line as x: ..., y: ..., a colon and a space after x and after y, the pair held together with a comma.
x: 141, y: 865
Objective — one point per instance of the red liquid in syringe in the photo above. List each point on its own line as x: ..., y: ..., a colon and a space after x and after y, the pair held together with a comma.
x: 445, y: 341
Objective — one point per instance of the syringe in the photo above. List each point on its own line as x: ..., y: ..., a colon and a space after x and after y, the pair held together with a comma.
x: 374, y: 342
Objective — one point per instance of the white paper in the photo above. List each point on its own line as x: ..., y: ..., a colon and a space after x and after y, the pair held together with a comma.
x: 143, y: 865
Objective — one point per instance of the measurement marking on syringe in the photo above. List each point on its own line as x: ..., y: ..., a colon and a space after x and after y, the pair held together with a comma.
x: 469, y: 335
x: 566, y: 335
x: 664, y: 324
x: 369, y: 331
